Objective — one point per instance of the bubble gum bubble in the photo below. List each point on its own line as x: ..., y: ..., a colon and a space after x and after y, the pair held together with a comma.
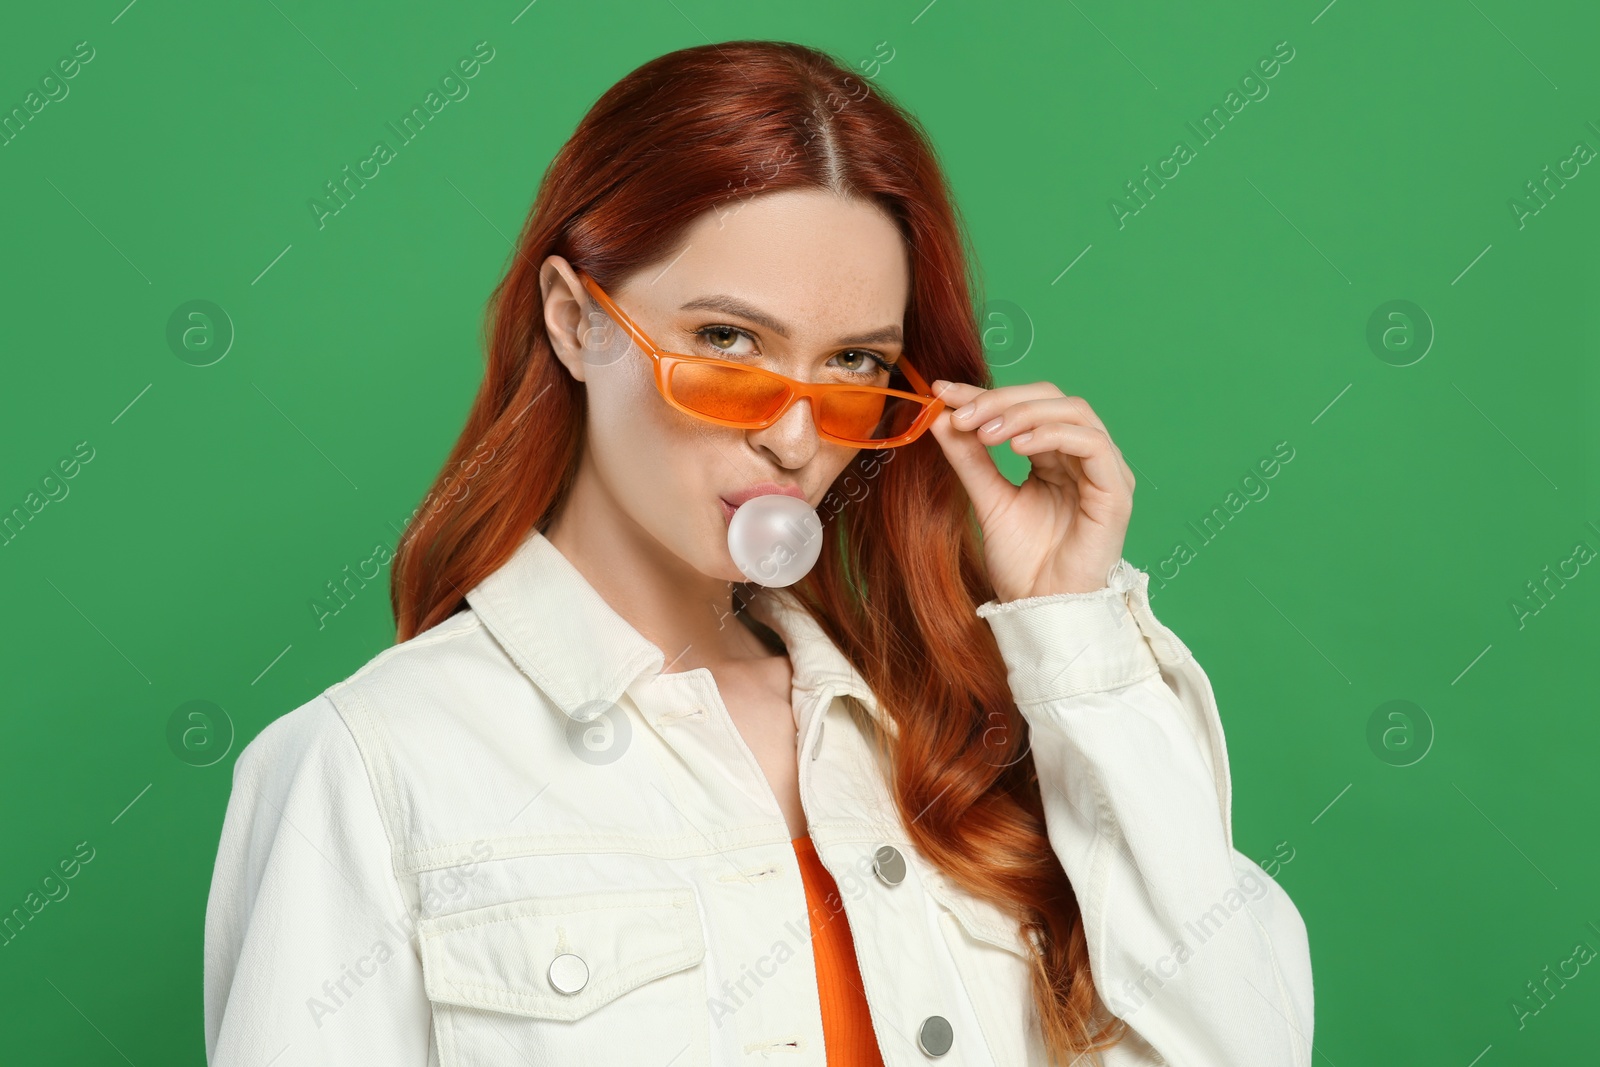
x: 775, y: 539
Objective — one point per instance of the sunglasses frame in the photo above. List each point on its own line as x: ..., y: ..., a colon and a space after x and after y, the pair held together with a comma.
x: 794, y: 389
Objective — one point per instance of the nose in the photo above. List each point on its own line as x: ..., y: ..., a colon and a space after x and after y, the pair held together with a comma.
x: 792, y: 441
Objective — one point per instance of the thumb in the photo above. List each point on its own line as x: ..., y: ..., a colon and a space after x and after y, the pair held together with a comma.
x: 986, y: 487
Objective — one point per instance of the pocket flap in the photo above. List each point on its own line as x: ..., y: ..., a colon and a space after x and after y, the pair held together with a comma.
x: 498, y: 957
x: 981, y: 919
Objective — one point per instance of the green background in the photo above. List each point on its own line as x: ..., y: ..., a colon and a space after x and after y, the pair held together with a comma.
x: 1228, y: 315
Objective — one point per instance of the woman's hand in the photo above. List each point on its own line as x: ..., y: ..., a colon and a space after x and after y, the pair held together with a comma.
x: 1062, y: 530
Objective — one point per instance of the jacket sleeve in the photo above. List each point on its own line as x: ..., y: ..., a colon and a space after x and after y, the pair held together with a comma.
x: 1190, y: 942
x: 308, y: 951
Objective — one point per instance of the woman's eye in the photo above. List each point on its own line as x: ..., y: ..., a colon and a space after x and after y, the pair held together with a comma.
x: 724, y: 338
x: 726, y: 341
x: 862, y: 361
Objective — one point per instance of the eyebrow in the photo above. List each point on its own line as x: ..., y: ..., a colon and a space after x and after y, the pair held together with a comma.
x: 734, y: 306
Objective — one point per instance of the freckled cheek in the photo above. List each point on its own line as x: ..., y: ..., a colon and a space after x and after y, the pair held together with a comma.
x: 655, y: 453
x: 835, y: 460
x: 624, y: 404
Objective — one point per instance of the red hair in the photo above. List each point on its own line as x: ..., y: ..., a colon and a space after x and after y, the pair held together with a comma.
x: 901, y: 571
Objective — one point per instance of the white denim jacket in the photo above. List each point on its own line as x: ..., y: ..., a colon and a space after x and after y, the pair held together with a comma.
x: 514, y: 840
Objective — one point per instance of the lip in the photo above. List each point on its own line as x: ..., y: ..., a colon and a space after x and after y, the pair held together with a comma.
x: 731, y: 502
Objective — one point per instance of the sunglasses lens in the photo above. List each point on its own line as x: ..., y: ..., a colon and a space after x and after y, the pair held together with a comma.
x: 731, y: 393
x: 867, y: 417
x: 726, y: 391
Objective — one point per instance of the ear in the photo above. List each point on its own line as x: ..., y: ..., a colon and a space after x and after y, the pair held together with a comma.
x: 567, y: 313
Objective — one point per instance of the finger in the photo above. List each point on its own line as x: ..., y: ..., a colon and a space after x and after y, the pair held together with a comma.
x: 1025, y: 414
x: 958, y: 394
x: 953, y: 392
x: 1050, y: 444
x: 986, y: 487
x: 1021, y: 417
x: 1086, y: 413
x: 1078, y: 410
x: 980, y: 408
x: 1051, y: 406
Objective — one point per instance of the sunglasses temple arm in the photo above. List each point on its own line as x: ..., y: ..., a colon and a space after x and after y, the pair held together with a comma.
x: 916, y: 379
x: 620, y: 317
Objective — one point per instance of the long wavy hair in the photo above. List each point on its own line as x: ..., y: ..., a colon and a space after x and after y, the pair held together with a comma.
x: 901, y: 572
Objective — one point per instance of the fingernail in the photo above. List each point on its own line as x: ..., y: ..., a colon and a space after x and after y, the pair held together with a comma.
x: 966, y: 412
x: 991, y: 427
x: 938, y: 386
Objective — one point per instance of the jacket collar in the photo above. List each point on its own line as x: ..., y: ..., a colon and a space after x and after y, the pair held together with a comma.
x: 578, y: 650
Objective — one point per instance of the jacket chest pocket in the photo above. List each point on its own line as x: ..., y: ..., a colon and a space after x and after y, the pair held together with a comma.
x: 596, y: 978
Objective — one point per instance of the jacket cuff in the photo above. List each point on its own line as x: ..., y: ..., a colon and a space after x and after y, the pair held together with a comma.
x: 1067, y: 644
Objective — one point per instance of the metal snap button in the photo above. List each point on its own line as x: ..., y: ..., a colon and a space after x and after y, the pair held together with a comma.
x: 889, y: 865
x: 935, y: 1037
x: 568, y: 973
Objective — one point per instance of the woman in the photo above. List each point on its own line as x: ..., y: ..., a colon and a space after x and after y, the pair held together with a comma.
x: 956, y: 794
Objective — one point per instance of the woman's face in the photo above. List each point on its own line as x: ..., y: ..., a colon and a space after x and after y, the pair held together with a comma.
x: 801, y: 282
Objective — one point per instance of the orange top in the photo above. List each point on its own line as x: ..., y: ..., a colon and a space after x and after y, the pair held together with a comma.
x: 846, y: 1025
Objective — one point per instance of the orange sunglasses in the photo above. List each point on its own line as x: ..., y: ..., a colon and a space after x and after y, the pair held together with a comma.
x: 750, y: 398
